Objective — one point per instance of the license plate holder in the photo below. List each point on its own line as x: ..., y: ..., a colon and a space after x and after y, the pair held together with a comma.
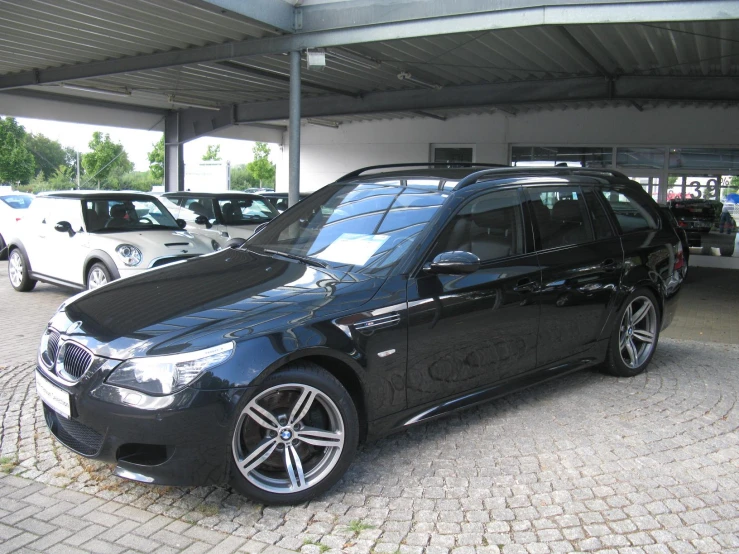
x: 54, y: 397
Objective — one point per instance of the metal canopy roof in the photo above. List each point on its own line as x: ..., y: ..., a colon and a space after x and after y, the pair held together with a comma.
x: 513, y: 56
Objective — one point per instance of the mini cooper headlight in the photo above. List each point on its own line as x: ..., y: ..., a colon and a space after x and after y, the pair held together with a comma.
x: 168, y: 374
x: 129, y: 253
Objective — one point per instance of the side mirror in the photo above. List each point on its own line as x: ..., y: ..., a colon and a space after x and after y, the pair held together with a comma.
x: 456, y: 262
x: 64, y: 227
x: 203, y: 220
x: 181, y: 223
x: 235, y: 242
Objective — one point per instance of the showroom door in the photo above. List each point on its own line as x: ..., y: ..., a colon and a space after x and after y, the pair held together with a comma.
x: 466, y: 331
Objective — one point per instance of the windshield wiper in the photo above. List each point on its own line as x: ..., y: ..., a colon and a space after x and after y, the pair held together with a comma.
x: 304, y: 259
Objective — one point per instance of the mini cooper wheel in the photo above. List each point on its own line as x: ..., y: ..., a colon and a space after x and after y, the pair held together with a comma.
x: 295, y: 437
x: 635, y: 336
x: 18, y: 271
x: 98, y: 276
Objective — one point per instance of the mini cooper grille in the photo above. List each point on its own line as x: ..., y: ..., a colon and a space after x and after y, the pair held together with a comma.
x: 53, y: 346
x: 73, y: 360
x: 73, y: 434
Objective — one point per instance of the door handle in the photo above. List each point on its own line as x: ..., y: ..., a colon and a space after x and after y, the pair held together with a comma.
x: 609, y: 264
x: 526, y: 285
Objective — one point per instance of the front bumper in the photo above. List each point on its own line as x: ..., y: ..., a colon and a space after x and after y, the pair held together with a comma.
x: 181, y: 439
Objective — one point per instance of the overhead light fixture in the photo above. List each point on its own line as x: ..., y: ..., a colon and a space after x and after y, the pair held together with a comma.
x: 316, y: 59
x: 356, y: 59
x: 323, y: 123
x: 112, y: 92
x: 405, y: 76
x: 188, y: 104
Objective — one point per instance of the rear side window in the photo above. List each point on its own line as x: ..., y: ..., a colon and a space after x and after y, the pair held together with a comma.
x: 632, y: 213
x: 561, y: 216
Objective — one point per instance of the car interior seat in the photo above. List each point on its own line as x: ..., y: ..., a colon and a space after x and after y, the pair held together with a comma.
x: 567, y: 224
x: 486, y: 231
x: 118, y: 216
x: 197, y: 208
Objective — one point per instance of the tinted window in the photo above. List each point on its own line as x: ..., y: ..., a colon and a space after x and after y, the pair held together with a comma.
x: 598, y: 216
x: 489, y: 226
x: 200, y: 206
x: 246, y: 211
x: 120, y: 214
x: 632, y: 213
x: 561, y: 216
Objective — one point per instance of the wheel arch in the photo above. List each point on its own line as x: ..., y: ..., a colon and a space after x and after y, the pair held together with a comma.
x: 19, y: 245
x: 99, y: 256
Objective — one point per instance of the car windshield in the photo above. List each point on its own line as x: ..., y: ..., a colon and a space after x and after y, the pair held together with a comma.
x: 246, y: 211
x: 121, y: 214
x: 362, y: 228
x: 18, y: 201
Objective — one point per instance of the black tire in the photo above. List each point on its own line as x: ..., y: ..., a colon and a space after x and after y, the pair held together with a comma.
x: 728, y: 251
x: 615, y: 363
x: 97, y: 272
x: 278, y: 386
x: 18, y: 271
x: 3, y: 249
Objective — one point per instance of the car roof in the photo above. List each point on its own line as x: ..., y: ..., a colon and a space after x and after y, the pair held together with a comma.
x: 227, y: 193
x: 79, y: 194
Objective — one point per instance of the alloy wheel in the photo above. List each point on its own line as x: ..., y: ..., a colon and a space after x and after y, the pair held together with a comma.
x: 637, y: 332
x: 288, y: 438
x: 96, y: 278
x: 15, y: 268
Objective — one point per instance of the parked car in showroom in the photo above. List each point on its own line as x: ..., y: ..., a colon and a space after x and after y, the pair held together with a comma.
x: 85, y: 239
x: 13, y: 206
x: 705, y: 224
x: 371, y: 306
x: 279, y: 199
x: 221, y: 216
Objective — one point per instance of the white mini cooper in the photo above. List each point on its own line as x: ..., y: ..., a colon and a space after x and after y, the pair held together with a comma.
x: 84, y: 239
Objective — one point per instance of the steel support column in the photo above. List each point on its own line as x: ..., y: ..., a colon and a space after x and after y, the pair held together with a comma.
x: 294, y: 129
x: 174, y: 165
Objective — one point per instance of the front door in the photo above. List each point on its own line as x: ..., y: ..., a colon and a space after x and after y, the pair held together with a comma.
x: 467, y: 331
x: 66, y: 252
x: 581, y: 261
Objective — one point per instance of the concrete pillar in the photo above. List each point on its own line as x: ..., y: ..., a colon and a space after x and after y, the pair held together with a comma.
x: 174, y: 165
x: 293, y: 195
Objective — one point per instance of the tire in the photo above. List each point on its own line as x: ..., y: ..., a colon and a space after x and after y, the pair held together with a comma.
x: 727, y: 251
x: 3, y: 251
x: 97, y: 276
x: 270, y: 429
x: 18, y: 271
x: 629, y: 349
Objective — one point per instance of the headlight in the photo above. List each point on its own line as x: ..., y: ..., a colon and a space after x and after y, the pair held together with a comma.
x: 130, y: 254
x: 168, y: 374
x: 215, y: 245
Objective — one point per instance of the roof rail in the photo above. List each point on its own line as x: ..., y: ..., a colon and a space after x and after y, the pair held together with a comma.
x: 473, y: 178
x: 451, y: 165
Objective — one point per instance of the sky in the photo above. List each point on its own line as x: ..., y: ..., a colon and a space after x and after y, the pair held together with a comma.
x: 137, y: 143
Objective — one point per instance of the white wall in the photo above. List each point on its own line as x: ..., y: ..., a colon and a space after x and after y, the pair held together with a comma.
x: 327, y: 153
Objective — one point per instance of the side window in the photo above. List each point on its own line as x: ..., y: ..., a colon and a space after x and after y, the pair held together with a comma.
x: 200, y: 206
x: 490, y: 226
x: 598, y: 216
x: 561, y: 216
x: 632, y: 213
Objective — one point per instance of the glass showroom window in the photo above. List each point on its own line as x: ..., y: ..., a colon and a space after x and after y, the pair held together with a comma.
x: 570, y: 156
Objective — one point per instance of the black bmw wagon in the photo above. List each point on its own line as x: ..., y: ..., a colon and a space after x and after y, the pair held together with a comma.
x: 387, y: 299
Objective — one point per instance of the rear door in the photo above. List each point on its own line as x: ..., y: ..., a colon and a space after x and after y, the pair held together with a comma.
x: 468, y: 331
x: 581, y: 261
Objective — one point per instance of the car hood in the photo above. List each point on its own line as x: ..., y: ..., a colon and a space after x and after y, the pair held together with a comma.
x: 153, y: 244
x: 228, y: 295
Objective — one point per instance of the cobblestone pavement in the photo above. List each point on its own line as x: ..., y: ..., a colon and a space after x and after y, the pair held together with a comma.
x: 585, y: 463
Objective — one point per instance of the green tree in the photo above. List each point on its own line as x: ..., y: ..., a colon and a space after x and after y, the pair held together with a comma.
x: 156, y: 160
x: 106, y: 158
x: 16, y: 161
x: 213, y: 153
x: 50, y: 154
x: 242, y: 179
x: 261, y: 168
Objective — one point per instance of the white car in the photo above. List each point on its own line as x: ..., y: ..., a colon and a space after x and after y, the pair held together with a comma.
x: 85, y: 239
x: 13, y: 206
x: 221, y: 216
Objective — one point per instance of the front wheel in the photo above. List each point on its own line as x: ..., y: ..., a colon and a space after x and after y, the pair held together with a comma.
x: 295, y: 437
x: 634, y: 338
x: 97, y: 276
x: 18, y: 272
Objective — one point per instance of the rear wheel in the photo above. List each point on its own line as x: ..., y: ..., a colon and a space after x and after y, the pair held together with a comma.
x: 97, y: 276
x: 18, y: 271
x: 635, y: 336
x: 295, y: 437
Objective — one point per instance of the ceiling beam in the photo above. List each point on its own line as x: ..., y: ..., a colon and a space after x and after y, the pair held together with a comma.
x: 364, y: 31
x: 275, y: 14
x: 503, y: 94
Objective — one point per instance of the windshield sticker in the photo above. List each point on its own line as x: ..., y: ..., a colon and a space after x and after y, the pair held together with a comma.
x: 352, y: 248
